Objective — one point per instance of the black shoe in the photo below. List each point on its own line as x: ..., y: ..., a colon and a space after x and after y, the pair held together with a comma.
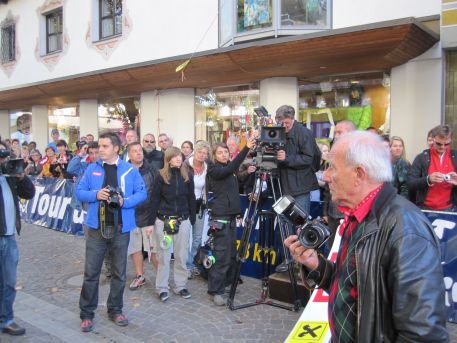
x: 14, y: 330
x: 184, y: 293
x: 163, y: 296
x: 282, y: 267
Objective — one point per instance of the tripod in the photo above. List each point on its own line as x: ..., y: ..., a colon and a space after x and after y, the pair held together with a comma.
x: 272, y: 179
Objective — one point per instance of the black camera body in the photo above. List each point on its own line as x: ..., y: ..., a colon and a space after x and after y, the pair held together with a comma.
x: 12, y: 166
x: 272, y: 139
x: 114, y: 194
x: 312, y: 234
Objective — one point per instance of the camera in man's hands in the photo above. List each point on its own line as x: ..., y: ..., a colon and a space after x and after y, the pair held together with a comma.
x: 447, y: 177
x: 311, y: 233
x: 12, y: 166
x: 113, y: 200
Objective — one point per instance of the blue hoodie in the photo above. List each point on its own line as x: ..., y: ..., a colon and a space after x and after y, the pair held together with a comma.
x: 131, y: 183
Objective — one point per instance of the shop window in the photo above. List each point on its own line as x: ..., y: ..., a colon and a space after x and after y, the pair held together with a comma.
x: 118, y: 116
x: 110, y: 18
x: 66, y: 120
x: 8, y: 45
x: 363, y: 99
x: 21, y: 125
x: 54, y: 25
x: 224, y: 112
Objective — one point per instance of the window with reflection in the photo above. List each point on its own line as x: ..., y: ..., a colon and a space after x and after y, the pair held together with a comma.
x: 118, y: 116
x: 304, y: 12
x: 110, y: 18
x: 66, y: 120
x: 54, y: 24
x: 254, y: 14
x: 21, y: 125
x: 226, y: 111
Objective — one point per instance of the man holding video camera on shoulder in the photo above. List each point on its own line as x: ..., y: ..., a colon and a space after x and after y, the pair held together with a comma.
x: 112, y: 188
x: 11, y: 188
x: 387, y: 282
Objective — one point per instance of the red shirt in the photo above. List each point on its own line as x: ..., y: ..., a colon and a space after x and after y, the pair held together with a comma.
x: 439, y: 194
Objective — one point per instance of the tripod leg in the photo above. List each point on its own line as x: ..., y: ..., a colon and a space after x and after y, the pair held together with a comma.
x: 244, y: 242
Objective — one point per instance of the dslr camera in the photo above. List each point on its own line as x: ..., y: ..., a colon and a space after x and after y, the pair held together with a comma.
x: 312, y: 234
x: 12, y: 166
x: 114, y: 194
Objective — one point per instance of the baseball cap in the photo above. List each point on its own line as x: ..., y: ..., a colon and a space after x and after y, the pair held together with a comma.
x: 53, y: 131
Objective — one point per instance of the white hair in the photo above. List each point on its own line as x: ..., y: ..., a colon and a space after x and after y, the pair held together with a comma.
x: 366, y: 149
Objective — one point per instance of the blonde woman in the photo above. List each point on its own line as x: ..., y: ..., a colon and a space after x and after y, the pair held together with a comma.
x: 173, y: 211
x: 400, y: 166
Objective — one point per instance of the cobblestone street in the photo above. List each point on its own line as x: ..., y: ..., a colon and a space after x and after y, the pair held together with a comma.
x: 49, y: 283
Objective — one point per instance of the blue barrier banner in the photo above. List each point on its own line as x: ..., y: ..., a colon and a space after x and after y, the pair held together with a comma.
x: 51, y: 206
x: 444, y: 224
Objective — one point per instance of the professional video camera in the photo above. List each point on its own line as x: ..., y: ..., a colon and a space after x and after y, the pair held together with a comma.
x: 311, y: 233
x: 114, y: 194
x: 272, y: 138
x: 12, y: 166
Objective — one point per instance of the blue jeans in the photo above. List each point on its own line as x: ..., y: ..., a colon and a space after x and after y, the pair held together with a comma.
x: 96, y: 246
x: 197, y: 233
x: 9, y: 258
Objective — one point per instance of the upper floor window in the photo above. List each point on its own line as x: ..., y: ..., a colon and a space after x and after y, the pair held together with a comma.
x: 110, y: 18
x: 54, y: 27
x: 8, y: 45
x: 245, y: 20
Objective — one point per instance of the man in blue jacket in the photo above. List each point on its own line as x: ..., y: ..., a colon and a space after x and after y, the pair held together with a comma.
x: 112, y: 188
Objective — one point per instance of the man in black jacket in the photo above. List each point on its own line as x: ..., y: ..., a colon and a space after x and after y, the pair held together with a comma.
x: 153, y: 156
x: 295, y: 162
x: 433, y: 174
x: 139, y: 240
x: 387, y: 282
x: 11, y: 188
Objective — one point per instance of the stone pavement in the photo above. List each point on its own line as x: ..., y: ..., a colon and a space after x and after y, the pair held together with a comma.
x: 49, y: 283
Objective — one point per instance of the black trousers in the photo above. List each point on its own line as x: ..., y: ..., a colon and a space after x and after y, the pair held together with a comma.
x: 222, y: 273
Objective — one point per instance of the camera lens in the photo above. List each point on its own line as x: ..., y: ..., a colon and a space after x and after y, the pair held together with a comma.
x: 311, y: 237
x: 272, y: 133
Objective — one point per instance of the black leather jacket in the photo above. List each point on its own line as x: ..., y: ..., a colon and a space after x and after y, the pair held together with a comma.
x: 400, y: 278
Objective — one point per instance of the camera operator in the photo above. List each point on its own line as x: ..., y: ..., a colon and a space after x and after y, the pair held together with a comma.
x: 10, y: 189
x: 225, y: 207
x: 387, y: 282
x: 295, y: 162
x: 112, y: 188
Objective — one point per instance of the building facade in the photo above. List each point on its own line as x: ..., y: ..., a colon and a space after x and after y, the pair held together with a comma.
x: 196, y: 69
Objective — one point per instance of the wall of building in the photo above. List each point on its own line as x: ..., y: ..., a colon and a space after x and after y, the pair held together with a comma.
x: 417, y: 99
x: 359, y: 12
x: 158, y: 29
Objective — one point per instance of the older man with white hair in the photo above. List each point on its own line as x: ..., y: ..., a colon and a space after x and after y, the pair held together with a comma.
x: 387, y: 282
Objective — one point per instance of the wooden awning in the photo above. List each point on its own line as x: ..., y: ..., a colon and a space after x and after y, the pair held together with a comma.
x: 368, y: 48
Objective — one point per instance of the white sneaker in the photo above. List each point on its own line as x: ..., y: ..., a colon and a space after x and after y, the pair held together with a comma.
x: 219, y: 300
